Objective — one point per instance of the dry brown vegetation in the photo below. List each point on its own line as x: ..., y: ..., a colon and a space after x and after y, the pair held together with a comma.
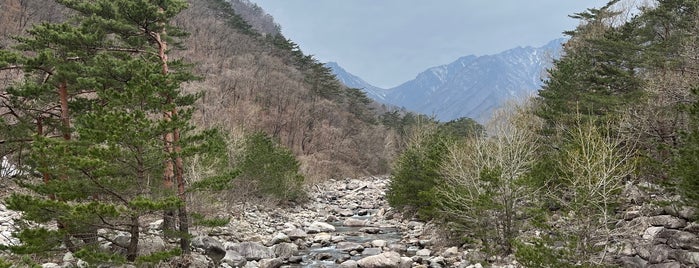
x: 249, y: 85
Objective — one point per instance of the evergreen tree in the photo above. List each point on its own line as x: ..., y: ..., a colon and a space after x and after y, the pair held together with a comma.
x: 108, y: 66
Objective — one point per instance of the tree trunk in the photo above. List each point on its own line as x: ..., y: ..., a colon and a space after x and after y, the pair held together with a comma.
x: 132, y: 249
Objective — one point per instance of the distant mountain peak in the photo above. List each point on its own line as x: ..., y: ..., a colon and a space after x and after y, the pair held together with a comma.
x: 353, y: 81
x: 471, y: 86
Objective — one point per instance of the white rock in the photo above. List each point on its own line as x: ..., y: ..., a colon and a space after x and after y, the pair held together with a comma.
x: 320, y: 227
x: 651, y: 232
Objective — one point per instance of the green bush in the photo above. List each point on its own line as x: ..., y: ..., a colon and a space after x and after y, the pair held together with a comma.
x: 271, y: 168
x: 417, y: 171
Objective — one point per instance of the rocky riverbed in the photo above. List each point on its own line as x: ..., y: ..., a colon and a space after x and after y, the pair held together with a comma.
x: 347, y: 223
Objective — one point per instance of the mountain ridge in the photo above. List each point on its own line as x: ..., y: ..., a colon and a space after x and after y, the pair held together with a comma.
x: 471, y: 86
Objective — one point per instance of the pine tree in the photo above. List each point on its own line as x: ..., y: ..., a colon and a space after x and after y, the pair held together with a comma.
x: 121, y: 123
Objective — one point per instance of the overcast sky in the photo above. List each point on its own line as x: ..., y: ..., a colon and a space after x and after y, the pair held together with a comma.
x: 388, y: 42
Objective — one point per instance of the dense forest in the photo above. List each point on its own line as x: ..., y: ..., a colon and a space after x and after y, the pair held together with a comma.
x: 118, y: 113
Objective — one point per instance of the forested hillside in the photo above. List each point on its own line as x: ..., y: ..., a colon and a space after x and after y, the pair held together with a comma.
x: 252, y: 78
x: 598, y: 170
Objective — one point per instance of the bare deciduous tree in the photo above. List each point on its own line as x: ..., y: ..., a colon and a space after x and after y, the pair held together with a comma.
x: 484, y: 186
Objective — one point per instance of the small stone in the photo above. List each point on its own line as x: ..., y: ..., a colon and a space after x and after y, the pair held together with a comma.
x: 371, y: 251
x: 379, y: 243
x: 667, y: 221
x: 50, y: 265
x: 352, y: 222
x: 651, y: 232
x: 630, y: 215
x: 451, y: 252
x: 423, y: 253
x: 271, y: 263
x: 349, y: 246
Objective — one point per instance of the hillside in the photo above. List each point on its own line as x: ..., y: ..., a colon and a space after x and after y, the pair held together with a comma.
x: 252, y: 78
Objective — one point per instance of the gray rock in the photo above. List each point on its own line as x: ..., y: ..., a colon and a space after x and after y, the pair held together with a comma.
x: 322, y: 238
x: 383, y: 260
x: 295, y: 233
x: 198, y: 261
x: 348, y: 264
x: 423, y: 252
x: 270, y: 263
x: 659, y: 254
x: 278, y: 238
x: 630, y: 215
x: 684, y: 240
x: 212, y: 247
x: 320, y: 227
x: 353, y: 222
x: 234, y: 259
x: 150, y: 244
x: 252, y: 251
x: 633, y: 262
x: 451, y: 252
x: 689, y: 258
x: 349, y: 246
x: 412, y: 250
x: 346, y: 213
x: 370, y: 230
x: 405, y: 262
x: 371, y: 251
x: 50, y: 265
x: 651, y: 232
x: 665, y: 265
x: 285, y: 250
x: 667, y: 221
x: 379, y: 243
x: 688, y: 213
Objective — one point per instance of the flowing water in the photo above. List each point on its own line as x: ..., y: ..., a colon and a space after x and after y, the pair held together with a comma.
x: 328, y: 256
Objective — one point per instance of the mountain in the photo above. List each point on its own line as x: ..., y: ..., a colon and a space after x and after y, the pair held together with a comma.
x: 471, y: 86
x: 352, y: 81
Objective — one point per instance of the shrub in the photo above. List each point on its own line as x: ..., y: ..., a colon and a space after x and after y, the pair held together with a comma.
x: 416, y: 171
x: 271, y: 168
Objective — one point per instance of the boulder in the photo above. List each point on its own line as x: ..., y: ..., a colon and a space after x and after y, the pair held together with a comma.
x: 212, y: 247
x: 319, y: 227
x: 451, y: 252
x: 689, y: 258
x: 278, y: 238
x: 285, y: 250
x: 384, y: 260
x: 270, y: 263
x: 684, y: 240
x: 295, y: 233
x: 234, y: 259
x: 354, y: 222
x: 659, y: 254
x: 348, y: 264
x: 405, y: 262
x: 633, y: 262
x: 252, y: 251
x: 370, y: 230
x: 150, y: 244
x: 423, y: 253
x: 667, y: 221
x: 651, y: 232
x: 371, y: 251
x: 349, y: 246
x: 379, y: 243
